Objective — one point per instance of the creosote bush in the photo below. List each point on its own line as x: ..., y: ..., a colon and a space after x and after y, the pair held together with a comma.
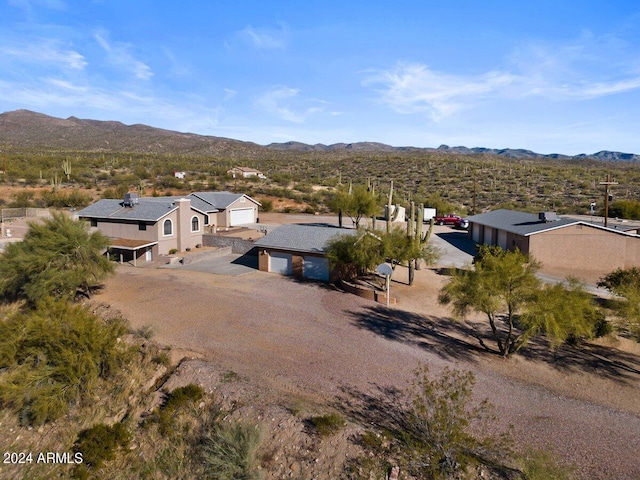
x: 99, y: 444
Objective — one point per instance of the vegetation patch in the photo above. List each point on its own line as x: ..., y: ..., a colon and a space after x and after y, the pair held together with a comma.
x: 327, y: 424
x: 230, y: 451
x: 54, y: 356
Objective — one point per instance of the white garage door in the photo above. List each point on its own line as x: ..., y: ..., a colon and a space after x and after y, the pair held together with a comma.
x: 316, y: 268
x: 280, y: 263
x: 241, y: 216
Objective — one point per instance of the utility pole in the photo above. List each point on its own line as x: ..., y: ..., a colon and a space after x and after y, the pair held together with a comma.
x: 474, y: 194
x: 606, y: 184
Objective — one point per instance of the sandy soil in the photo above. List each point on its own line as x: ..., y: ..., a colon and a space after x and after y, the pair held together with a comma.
x: 289, y: 340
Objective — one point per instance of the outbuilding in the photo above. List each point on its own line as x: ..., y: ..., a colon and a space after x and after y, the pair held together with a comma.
x: 299, y: 250
x: 564, y: 246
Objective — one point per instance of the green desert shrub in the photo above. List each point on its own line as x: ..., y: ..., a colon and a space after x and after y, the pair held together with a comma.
x: 327, y: 424
x: 55, y: 355
x: 174, y: 403
x: 98, y: 445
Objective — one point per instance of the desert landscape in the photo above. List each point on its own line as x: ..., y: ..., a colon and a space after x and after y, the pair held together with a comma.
x: 293, y: 343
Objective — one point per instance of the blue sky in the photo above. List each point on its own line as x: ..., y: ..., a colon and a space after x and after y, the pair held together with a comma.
x: 550, y: 76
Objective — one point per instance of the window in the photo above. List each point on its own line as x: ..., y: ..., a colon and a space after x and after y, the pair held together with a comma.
x: 94, y: 222
x: 195, y: 224
x: 142, y: 226
x: 167, y: 227
x: 206, y: 219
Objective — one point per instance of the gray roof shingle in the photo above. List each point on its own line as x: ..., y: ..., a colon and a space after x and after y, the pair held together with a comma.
x: 219, y: 200
x: 520, y: 223
x: 145, y: 210
x: 302, y: 238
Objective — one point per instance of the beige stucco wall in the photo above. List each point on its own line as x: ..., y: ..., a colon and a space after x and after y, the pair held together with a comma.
x: 223, y: 218
x: 585, y: 252
x: 181, y: 237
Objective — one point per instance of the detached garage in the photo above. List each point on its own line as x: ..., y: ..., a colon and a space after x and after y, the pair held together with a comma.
x: 298, y: 250
x: 564, y: 246
x: 280, y: 262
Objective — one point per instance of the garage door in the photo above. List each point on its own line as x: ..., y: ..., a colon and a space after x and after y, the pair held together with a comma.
x: 316, y: 268
x: 280, y: 263
x: 241, y: 216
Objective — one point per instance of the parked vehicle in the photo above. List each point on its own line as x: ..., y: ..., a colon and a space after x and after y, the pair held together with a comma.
x: 448, y: 219
x: 463, y: 223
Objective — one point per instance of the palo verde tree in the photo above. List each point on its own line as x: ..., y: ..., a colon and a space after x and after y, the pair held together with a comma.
x: 625, y: 284
x: 58, y: 257
x: 356, y: 202
x: 361, y: 253
x: 504, y: 287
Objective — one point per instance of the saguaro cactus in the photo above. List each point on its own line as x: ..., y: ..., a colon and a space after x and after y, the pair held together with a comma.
x: 389, y: 204
x: 66, y: 168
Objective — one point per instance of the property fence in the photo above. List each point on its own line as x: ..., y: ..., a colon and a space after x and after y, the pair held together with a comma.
x: 238, y: 245
x: 8, y: 214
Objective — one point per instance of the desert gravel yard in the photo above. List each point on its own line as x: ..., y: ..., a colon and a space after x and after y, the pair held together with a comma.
x: 297, y: 339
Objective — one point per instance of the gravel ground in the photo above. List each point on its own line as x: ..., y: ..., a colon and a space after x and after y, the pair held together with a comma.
x: 289, y: 339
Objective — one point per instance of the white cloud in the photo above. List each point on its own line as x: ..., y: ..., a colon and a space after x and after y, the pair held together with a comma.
x: 287, y: 104
x: 413, y: 88
x: 264, y: 38
x: 119, y: 56
x: 46, y: 52
x: 585, y: 69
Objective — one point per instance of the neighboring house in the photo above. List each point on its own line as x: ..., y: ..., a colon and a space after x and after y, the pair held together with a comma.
x: 298, y: 250
x: 245, y: 172
x: 564, y: 246
x: 143, y: 228
x: 231, y: 209
x: 179, y: 175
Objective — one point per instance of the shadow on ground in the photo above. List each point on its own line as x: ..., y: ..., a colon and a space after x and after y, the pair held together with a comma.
x: 460, y: 240
x: 248, y: 260
x: 438, y: 335
x: 454, y: 340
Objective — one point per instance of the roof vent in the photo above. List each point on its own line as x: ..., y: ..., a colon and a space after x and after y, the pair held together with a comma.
x: 130, y: 199
x: 547, y: 216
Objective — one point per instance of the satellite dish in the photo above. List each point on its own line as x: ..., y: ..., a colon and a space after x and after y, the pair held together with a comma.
x: 384, y: 269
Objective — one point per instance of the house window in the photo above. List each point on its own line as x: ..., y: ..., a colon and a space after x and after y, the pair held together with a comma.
x: 195, y: 224
x: 206, y: 219
x: 94, y: 222
x: 142, y: 226
x: 167, y: 227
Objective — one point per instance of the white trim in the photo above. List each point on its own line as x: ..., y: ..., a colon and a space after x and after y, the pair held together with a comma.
x: 163, y: 229
x: 199, y: 221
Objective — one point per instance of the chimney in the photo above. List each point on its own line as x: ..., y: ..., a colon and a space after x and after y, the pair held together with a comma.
x: 184, y: 222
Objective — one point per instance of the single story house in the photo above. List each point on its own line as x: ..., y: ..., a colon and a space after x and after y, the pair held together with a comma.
x: 245, y: 172
x: 564, y: 246
x: 143, y: 228
x: 298, y: 250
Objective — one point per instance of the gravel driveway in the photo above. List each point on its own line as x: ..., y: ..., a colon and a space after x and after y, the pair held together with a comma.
x: 294, y: 338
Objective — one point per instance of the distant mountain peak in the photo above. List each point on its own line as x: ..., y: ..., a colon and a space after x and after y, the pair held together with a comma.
x: 27, y: 128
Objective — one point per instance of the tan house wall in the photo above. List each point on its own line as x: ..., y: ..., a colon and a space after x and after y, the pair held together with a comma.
x: 180, y: 238
x: 223, y: 218
x: 585, y: 252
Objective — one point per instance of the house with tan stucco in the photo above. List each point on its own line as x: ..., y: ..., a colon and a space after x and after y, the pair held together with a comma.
x: 141, y: 228
x: 564, y: 246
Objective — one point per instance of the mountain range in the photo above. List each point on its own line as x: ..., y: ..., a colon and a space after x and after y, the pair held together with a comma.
x: 24, y: 128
